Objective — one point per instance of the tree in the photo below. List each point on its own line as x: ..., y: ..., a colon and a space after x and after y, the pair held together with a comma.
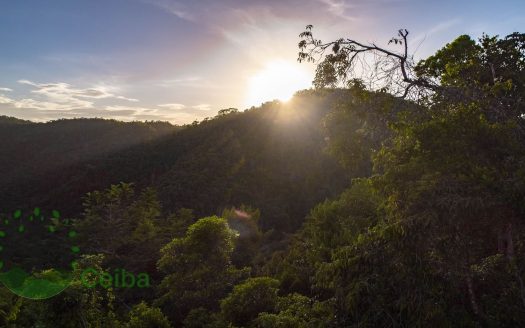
x: 451, y: 178
x: 78, y: 306
x: 127, y: 228
x: 296, y: 311
x: 198, y: 269
x: 248, y: 299
x: 143, y: 316
x: 393, y: 71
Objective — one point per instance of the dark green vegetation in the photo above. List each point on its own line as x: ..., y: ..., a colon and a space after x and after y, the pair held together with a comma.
x: 270, y: 157
x: 35, y: 156
x: 421, y: 226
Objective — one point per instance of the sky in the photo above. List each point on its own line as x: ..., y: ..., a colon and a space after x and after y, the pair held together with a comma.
x: 182, y: 61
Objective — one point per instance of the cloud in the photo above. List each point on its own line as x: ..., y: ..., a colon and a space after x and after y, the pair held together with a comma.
x: 443, y: 26
x: 165, y: 113
x: 173, y: 7
x: 34, y: 104
x: 117, y: 108
x: 128, y: 99
x: 187, y: 82
x: 47, y: 105
x: 173, y: 106
x: 182, y: 114
x: 234, y: 12
x: 6, y: 89
x: 63, y: 96
x: 62, y: 100
x: 5, y: 100
x: 433, y: 30
x: 184, y: 108
x: 65, y: 92
x: 338, y: 8
x: 203, y: 107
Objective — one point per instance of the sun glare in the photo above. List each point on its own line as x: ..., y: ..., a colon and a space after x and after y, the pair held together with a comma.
x: 277, y: 80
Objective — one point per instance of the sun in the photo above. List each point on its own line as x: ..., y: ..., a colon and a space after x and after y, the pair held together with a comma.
x: 277, y: 80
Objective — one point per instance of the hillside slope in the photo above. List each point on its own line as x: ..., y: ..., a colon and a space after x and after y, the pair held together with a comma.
x: 269, y: 157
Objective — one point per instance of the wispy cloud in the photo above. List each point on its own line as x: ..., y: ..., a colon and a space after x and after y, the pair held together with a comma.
x: 5, y: 100
x: 6, y: 89
x: 55, y: 100
x: 43, y: 105
x: 173, y: 7
x: 228, y: 13
x: 433, y: 30
x: 173, y: 106
x: 204, y: 107
x: 63, y: 96
x: 126, y: 98
x: 167, y: 112
x: 181, y: 108
x: 338, y: 8
x: 187, y: 82
x: 65, y: 92
x: 442, y: 26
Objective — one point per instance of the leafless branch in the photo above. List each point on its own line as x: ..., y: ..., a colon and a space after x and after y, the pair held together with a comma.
x: 392, y: 71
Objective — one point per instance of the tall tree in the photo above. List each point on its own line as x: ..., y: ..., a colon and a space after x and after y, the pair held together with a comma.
x: 198, y: 269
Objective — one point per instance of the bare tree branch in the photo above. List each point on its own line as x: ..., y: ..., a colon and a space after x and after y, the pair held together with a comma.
x: 390, y: 67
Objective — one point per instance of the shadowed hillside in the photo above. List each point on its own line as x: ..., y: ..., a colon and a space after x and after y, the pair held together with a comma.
x: 34, y: 149
x: 270, y: 157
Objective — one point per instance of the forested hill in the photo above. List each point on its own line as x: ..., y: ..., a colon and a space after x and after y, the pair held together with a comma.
x: 31, y: 150
x: 271, y: 158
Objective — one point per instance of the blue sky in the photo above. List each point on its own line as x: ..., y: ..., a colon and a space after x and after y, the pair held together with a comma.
x: 185, y: 60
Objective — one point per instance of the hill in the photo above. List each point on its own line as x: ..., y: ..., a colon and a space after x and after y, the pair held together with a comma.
x: 35, y: 149
x: 271, y: 158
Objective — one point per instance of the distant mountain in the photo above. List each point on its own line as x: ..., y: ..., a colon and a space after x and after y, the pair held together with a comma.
x: 270, y: 157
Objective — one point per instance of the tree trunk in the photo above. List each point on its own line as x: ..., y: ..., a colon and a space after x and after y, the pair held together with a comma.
x: 474, y: 302
x: 509, y: 251
x: 509, y: 243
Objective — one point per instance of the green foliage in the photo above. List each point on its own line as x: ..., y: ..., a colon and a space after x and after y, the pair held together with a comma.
x: 122, y: 225
x: 77, y: 306
x: 358, y: 126
x: 296, y: 311
x: 269, y: 320
x: 330, y: 225
x: 45, y: 153
x: 143, y: 316
x: 10, y: 305
x: 248, y: 299
x: 442, y: 247
x: 203, y: 318
x: 197, y: 268
x: 269, y: 157
x: 127, y: 227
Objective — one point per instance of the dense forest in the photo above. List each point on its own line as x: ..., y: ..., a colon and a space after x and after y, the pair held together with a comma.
x: 348, y: 206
